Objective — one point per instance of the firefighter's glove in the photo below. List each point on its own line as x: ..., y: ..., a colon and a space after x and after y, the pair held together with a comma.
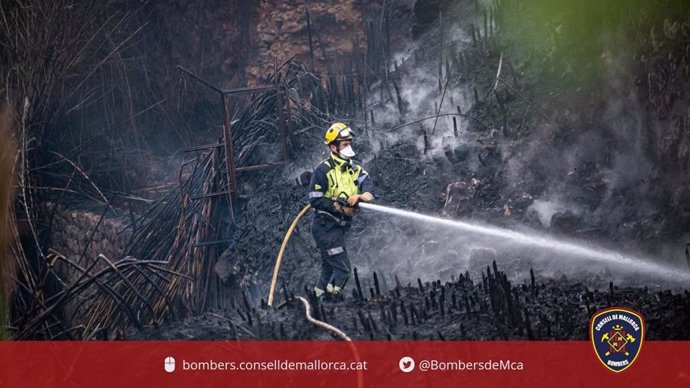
x: 344, y: 209
x: 349, y: 211
x: 366, y: 197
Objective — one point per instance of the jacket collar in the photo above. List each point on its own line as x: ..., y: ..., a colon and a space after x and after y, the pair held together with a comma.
x: 340, y: 161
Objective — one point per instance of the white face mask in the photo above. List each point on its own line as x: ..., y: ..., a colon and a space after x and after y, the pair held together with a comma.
x: 347, y: 152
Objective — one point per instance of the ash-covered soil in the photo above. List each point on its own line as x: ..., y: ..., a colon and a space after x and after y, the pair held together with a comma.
x: 492, y: 308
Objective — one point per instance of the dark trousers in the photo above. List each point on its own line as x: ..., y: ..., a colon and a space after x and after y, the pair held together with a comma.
x: 330, y: 238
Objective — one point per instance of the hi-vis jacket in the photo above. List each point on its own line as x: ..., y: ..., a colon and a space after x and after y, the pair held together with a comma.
x: 336, y: 178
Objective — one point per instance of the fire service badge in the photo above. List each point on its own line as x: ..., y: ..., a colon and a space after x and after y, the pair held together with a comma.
x: 617, y: 335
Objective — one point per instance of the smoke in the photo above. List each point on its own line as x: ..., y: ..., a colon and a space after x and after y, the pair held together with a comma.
x: 602, y: 152
x: 598, y: 161
x: 422, y: 83
x: 589, y: 155
x: 583, y: 148
x: 545, y: 210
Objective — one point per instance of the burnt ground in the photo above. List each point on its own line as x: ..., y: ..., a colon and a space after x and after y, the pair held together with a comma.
x: 461, y: 309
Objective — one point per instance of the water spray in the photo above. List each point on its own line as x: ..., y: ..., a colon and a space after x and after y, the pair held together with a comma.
x: 579, y: 249
x: 552, y: 243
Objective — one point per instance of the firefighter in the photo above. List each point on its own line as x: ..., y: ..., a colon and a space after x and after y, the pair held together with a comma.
x: 337, y: 185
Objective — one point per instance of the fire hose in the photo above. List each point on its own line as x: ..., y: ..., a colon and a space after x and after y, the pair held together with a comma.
x: 322, y: 324
x: 307, y: 307
x: 276, y: 269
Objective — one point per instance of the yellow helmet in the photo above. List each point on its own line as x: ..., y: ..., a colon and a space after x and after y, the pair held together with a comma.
x: 337, y: 132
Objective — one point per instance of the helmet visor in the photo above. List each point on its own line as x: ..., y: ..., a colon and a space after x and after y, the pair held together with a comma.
x: 345, y: 133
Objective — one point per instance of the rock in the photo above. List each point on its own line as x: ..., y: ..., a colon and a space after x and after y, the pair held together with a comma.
x: 292, y: 27
x: 74, y: 228
x: 266, y: 38
x: 565, y: 221
x: 458, y: 197
x: 223, y: 267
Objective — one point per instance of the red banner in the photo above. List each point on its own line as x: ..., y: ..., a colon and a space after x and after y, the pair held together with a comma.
x: 334, y: 364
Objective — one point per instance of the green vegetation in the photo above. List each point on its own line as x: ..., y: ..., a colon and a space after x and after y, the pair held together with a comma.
x: 583, y: 43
